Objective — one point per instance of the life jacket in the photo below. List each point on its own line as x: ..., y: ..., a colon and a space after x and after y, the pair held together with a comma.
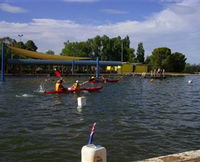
x: 76, y: 86
x: 59, y: 87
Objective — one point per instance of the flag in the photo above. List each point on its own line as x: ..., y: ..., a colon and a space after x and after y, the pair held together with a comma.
x: 92, y: 133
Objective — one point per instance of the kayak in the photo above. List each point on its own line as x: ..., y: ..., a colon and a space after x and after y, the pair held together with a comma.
x: 89, y: 89
x: 104, y: 81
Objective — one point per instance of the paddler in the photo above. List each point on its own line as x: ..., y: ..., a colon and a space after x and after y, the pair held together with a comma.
x: 59, y: 87
x: 102, y: 78
x: 92, y: 78
x: 76, y: 85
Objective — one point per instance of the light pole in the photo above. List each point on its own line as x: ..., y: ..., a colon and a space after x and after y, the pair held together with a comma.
x: 20, y: 37
x: 100, y: 49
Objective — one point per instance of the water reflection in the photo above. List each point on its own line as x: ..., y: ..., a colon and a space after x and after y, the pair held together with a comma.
x: 79, y: 109
x: 58, y: 99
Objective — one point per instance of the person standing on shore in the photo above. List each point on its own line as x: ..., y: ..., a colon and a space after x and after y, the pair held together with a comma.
x: 163, y: 72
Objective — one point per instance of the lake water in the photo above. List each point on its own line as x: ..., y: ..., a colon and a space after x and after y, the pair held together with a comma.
x: 136, y: 119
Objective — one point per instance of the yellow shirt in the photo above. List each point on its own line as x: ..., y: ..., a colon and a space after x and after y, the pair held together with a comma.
x: 58, y: 87
x: 76, y: 86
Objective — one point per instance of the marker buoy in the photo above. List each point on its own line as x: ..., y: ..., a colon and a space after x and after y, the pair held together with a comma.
x: 93, y: 153
x: 152, y: 80
x: 81, y: 101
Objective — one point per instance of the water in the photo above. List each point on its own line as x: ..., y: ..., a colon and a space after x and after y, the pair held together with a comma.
x: 136, y: 119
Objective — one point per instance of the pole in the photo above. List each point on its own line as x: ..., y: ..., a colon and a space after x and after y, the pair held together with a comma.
x: 92, y: 134
x: 97, y: 67
x: 3, y: 62
x: 72, y: 67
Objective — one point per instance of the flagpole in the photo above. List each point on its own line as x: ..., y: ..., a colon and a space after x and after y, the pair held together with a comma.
x: 92, y: 134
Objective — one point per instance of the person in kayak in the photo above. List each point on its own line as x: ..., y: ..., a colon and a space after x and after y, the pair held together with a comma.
x: 59, y: 87
x: 92, y: 78
x: 102, y: 78
x: 76, y: 85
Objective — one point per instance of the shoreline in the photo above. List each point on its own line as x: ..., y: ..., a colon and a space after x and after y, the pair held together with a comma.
x: 188, y: 156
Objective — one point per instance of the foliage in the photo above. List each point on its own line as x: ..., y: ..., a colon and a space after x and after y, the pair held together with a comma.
x: 175, y: 62
x: 30, y: 45
x: 107, y: 49
x: 8, y: 41
x: 140, y: 53
x: 50, y: 52
x: 113, y: 49
x: 192, y: 68
x: 162, y: 58
x: 20, y: 45
x: 159, y: 56
x: 147, y: 60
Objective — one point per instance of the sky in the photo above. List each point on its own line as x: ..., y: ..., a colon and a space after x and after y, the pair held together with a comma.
x: 156, y: 23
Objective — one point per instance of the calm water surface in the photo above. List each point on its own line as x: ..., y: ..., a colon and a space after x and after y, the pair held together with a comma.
x: 136, y: 119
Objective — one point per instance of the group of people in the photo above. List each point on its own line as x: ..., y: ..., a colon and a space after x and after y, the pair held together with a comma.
x: 76, y: 86
x: 158, y: 72
x: 59, y: 86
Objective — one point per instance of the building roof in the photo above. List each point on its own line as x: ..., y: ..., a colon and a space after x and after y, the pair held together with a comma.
x: 39, y: 55
x: 64, y: 62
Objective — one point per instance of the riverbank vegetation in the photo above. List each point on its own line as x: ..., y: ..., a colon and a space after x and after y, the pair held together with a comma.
x: 113, y: 49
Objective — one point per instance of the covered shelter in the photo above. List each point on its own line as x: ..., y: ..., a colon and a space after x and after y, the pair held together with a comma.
x: 66, y: 64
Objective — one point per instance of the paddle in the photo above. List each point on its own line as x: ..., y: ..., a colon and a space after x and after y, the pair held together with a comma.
x: 85, y: 82
x: 92, y: 134
x: 57, y: 73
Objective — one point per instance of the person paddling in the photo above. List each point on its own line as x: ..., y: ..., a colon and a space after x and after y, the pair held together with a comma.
x: 58, y: 86
x: 76, y: 85
x: 92, y: 78
x: 102, y: 78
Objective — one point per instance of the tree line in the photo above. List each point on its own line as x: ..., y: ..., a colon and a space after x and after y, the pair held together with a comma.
x: 112, y: 49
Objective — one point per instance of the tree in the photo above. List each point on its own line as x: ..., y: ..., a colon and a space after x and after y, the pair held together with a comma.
x: 50, y: 52
x: 175, y: 62
x: 159, y: 56
x: 147, y: 60
x: 107, y: 49
x: 192, y: 68
x: 20, y: 45
x: 76, y: 49
x: 30, y: 45
x: 140, y: 52
x: 9, y: 41
x: 131, y: 54
x: 128, y: 53
x: 162, y: 58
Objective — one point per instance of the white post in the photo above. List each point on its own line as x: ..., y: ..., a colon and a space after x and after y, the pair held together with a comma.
x: 93, y: 153
x: 81, y: 101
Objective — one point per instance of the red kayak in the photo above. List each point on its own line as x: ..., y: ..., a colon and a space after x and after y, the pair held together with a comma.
x: 104, y: 81
x: 89, y: 89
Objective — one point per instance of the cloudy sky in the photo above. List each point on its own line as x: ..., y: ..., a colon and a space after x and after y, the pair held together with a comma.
x: 156, y: 23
